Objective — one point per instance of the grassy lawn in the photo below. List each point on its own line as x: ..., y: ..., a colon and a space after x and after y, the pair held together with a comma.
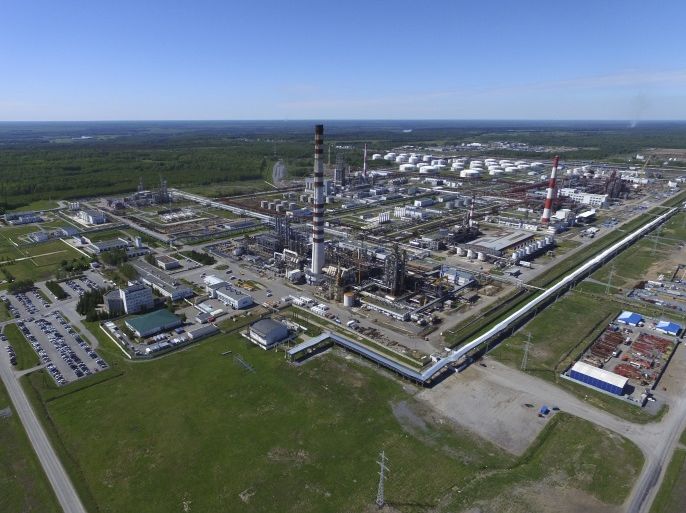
x: 45, y: 258
x: 26, y: 356
x: 577, y: 319
x: 200, y: 429
x: 22, y: 482
x: 672, y: 494
x: 4, y: 312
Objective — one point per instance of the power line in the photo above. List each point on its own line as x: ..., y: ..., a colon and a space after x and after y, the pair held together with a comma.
x: 525, y: 357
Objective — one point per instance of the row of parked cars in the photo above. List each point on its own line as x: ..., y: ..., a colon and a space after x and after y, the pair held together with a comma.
x: 42, y: 354
x: 27, y: 303
x: 82, y: 343
x: 10, y: 350
x: 10, y: 307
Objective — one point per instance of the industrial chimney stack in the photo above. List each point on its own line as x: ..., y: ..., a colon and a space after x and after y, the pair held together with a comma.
x: 318, y: 211
x: 550, y: 194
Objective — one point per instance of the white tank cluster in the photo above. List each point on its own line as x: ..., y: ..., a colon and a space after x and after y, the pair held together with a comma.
x: 427, y: 170
x: 407, y: 167
x: 532, y: 249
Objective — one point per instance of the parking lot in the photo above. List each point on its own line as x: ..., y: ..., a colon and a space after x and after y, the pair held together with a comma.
x: 66, y: 355
x: 89, y: 281
x: 25, y: 305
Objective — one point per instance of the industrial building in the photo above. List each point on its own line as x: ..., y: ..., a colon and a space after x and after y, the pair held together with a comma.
x: 598, y: 378
x: 136, y: 297
x: 233, y: 298
x: 161, y: 281
x: 267, y: 333
x: 155, y: 322
x: 92, y: 217
x: 668, y: 328
x: 166, y: 262
x: 630, y: 318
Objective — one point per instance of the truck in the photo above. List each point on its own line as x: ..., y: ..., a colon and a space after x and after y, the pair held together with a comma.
x: 525, y: 263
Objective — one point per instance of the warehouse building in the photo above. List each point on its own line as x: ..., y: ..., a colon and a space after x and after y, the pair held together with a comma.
x: 267, y: 333
x: 153, y: 323
x: 213, y: 284
x: 630, y: 318
x: 161, y: 281
x: 598, y: 378
x: 166, y: 262
x: 668, y: 328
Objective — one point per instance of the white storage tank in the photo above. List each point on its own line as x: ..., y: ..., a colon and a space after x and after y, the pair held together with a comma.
x: 413, y: 159
x: 496, y: 172
x: 460, y: 252
x: 400, y: 159
x: 270, y: 205
x: 349, y: 299
x: 511, y: 169
x: 377, y: 156
x: 470, y: 253
x: 481, y: 256
x: 540, y: 244
x: 264, y: 204
x: 427, y: 170
x: 407, y: 167
x: 427, y: 158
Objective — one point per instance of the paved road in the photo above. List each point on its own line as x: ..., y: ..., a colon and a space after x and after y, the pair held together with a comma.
x: 656, y: 440
x: 57, y: 476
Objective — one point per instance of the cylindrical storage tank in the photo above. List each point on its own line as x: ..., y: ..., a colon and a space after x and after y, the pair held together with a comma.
x: 303, y: 198
x: 407, y: 167
x: 522, y: 167
x: 496, y: 172
x: 348, y: 300
x: 438, y: 167
x: 426, y: 158
x: 470, y: 253
x: 511, y: 169
x: 527, y: 251
x: 264, y: 204
x: 481, y: 256
x: 270, y: 205
x: 377, y: 156
x: 427, y: 170
x: 279, y: 208
x: 413, y: 160
x: 521, y: 163
x: 540, y: 244
x: 552, y: 240
x: 460, y: 252
x: 514, y: 256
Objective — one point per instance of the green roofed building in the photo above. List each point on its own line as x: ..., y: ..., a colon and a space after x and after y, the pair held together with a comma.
x: 153, y: 323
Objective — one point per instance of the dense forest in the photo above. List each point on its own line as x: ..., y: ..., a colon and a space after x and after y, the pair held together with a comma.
x: 71, y: 160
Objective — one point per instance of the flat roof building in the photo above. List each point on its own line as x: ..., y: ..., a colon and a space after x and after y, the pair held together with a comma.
x: 267, y: 333
x: 153, y: 323
x: 166, y: 262
x: 161, y: 281
x: 233, y: 298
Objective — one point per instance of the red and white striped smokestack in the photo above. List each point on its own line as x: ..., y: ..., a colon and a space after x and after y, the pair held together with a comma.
x: 550, y: 193
x: 470, y: 221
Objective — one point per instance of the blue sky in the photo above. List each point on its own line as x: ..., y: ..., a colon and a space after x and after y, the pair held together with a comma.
x: 96, y: 60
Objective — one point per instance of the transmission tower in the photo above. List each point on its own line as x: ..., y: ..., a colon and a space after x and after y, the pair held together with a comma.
x: 380, y: 500
x: 525, y: 358
x: 657, y: 236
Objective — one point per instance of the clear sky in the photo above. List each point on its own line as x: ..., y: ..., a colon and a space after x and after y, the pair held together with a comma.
x: 297, y: 59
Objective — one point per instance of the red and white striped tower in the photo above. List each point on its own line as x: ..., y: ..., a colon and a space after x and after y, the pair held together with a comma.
x: 470, y: 221
x: 318, y: 209
x: 550, y: 194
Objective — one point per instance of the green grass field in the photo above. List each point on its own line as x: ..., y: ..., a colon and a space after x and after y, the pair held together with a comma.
x: 38, y: 205
x: 200, y: 429
x: 26, y: 356
x: 23, y: 485
x: 672, y: 494
x: 44, y: 259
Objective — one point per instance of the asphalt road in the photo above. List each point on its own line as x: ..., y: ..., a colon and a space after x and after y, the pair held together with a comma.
x: 57, y: 476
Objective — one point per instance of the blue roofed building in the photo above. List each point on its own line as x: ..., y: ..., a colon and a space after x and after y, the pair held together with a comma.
x: 668, y: 328
x: 630, y: 318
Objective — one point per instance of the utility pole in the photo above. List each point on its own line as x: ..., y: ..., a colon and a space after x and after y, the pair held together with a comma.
x: 657, y: 235
x: 380, y: 499
x: 525, y: 358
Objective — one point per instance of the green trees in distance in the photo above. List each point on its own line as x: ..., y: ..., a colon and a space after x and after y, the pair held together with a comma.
x: 20, y: 286
x: 198, y: 256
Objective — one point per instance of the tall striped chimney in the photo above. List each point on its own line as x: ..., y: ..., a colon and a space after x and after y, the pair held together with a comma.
x: 550, y: 193
x: 318, y: 211
x: 364, y: 162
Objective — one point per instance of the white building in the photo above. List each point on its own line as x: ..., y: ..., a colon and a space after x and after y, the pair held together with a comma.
x: 594, y: 200
x: 136, y: 297
x: 92, y: 217
x: 212, y: 284
x: 233, y: 298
